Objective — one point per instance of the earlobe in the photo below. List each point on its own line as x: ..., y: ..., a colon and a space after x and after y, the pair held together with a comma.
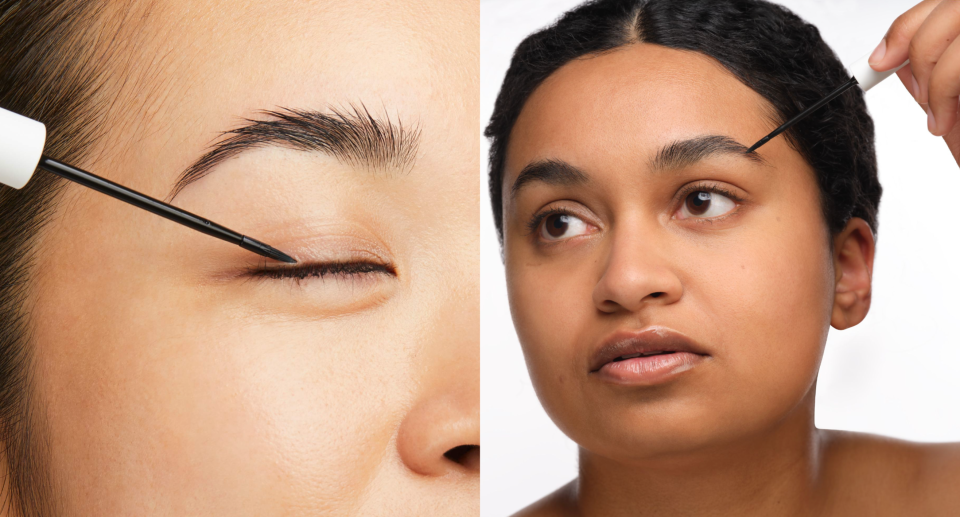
x: 853, y: 251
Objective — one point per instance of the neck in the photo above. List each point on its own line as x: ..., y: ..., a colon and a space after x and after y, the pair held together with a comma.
x: 771, y: 473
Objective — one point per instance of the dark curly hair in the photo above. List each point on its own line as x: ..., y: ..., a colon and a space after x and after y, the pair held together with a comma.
x: 767, y: 47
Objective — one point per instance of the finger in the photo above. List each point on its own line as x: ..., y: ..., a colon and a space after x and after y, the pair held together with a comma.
x: 895, y: 46
x: 909, y: 81
x: 935, y: 34
x: 944, y: 91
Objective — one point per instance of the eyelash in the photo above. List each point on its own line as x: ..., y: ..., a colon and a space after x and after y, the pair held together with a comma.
x: 337, y: 269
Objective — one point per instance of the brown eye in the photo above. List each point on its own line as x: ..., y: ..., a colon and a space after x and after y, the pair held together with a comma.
x: 705, y: 204
x: 556, y: 225
x: 561, y: 226
x: 698, y: 203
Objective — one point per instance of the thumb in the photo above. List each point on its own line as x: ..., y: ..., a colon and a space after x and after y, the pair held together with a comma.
x: 894, y: 49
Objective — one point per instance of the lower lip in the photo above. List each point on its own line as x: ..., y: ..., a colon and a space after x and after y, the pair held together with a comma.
x: 650, y: 370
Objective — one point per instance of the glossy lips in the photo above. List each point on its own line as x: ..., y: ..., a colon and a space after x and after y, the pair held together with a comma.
x: 645, y: 358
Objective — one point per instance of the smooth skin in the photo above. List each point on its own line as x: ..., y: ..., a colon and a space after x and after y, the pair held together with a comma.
x: 757, y: 287
x: 171, y: 383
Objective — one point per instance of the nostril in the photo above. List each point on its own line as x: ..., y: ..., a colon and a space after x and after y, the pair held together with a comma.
x: 656, y: 295
x: 467, y: 456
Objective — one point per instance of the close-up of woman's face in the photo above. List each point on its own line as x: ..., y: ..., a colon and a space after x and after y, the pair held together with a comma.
x: 670, y: 290
x: 176, y: 374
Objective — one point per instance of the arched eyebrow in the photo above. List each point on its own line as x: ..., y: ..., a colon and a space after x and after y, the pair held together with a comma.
x: 355, y: 137
x: 551, y: 172
x: 684, y: 153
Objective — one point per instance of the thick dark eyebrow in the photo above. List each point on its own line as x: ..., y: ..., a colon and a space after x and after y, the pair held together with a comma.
x: 354, y: 136
x: 552, y: 172
x: 683, y: 153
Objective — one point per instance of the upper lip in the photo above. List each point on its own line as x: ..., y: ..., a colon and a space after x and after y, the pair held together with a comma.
x: 646, y: 341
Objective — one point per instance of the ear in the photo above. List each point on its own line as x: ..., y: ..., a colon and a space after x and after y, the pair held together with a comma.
x: 853, y: 250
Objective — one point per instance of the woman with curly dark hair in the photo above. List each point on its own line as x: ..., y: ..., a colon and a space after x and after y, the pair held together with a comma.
x: 672, y: 289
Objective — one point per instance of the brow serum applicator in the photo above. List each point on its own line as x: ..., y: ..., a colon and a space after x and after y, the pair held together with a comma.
x: 21, y: 152
x: 864, y: 76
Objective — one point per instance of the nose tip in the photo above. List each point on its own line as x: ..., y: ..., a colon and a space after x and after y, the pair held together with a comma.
x: 439, y: 437
x: 636, y: 275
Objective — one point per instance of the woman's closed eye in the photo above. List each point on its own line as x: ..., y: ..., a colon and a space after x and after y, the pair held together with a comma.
x: 336, y: 285
x: 335, y: 270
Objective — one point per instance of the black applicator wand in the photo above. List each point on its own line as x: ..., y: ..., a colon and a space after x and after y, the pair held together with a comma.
x: 160, y: 208
x: 863, y: 76
x: 22, y: 140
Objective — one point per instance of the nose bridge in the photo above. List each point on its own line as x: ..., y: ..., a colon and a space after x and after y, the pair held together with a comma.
x: 638, y: 268
x: 441, y: 429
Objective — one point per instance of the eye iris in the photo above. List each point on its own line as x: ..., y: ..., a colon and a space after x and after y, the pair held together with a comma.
x: 557, y: 224
x: 698, y: 203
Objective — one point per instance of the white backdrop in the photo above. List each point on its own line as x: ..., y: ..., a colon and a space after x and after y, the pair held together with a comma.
x: 895, y: 374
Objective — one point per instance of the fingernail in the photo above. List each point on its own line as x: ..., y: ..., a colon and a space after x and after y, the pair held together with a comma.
x: 931, y: 122
x: 878, y: 53
x: 914, y: 88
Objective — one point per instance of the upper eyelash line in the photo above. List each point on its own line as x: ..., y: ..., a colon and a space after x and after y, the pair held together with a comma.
x: 321, y: 270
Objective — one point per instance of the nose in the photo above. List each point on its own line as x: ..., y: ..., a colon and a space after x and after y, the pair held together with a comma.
x: 439, y: 436
x: 637, y: 273
x: 440, y: 433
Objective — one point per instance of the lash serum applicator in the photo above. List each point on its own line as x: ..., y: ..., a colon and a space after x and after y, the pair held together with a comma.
x: 864, y: 76
x: 21, y: 153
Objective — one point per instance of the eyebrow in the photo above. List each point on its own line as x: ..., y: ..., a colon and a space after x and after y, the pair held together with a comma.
x: 354, y: 136
x: 684, y: 153
x: 675, y: 155
x: 551, y: 172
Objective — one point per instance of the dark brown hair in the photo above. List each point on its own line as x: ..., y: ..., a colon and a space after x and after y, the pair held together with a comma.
x: 51, y: 70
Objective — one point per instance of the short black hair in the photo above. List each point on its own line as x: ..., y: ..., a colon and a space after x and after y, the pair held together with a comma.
x: 766, y: 46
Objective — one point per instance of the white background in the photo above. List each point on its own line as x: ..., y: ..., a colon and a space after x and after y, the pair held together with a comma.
x: 894, y: 374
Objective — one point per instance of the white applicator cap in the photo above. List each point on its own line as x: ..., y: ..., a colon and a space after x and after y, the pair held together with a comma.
x: 21, y: 144
x: 866, y: 76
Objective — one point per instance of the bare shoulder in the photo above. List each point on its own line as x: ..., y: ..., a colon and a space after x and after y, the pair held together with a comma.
x: 901, y: 473
x: 560, y: 503
x: 939, y: 476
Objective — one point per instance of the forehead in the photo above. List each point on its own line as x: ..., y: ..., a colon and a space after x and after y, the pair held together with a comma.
x: 195, y: 68
x: 627, y: 103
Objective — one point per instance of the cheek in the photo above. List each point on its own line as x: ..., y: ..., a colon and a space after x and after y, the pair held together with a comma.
x: 771, y: 312
x: 551, y: 306
x: 176, y: 402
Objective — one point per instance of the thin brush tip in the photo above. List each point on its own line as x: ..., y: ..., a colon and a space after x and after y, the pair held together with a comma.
x: 279, y: 255
x: 266, y: 250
